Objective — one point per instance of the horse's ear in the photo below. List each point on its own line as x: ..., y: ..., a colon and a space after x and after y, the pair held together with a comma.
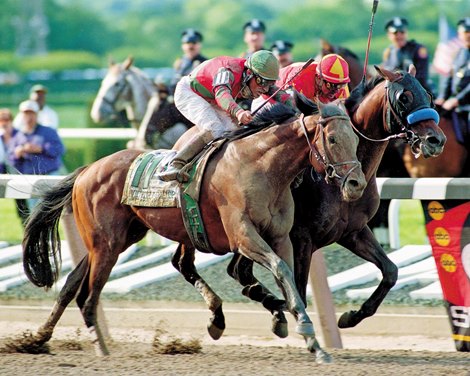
x: 385, y: 73
x: 128, y: 62
x: 412, y: 70
x: 326, y: 46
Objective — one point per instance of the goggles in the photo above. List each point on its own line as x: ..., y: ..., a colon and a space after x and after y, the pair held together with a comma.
x: 260, y: 81
x: 332, y: 86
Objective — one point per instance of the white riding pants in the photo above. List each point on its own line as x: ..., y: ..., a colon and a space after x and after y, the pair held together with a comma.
x: 206, y: 116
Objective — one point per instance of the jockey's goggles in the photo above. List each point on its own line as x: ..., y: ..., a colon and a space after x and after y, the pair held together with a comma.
x: 260, y: 81
x: 332, y: 86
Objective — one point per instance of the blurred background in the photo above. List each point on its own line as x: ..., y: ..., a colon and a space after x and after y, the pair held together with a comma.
x: 66, y: 44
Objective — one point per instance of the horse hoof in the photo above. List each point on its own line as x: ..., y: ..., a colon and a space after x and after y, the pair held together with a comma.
x: 322, y: 357
x: 214, y: 331
x: 280, y: 329
x: 279, y: 324
x: 346, y: 320
x: 305, y: 329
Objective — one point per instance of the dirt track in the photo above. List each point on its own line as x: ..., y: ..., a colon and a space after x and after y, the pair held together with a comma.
x: 247, y: 347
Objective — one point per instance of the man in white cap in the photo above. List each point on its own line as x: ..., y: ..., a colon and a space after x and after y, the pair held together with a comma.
x: 35, y: 149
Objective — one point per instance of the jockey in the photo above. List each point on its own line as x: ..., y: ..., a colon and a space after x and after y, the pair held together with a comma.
x: 324, y: 81
x: 209, y: 97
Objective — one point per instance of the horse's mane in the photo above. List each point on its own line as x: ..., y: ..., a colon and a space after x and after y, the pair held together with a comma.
x: 360, y: 91
x: 278, y: 113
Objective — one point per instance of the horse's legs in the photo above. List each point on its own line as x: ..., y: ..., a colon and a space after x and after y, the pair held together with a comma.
x: 99, y: 269
x: 367, y: 247
x: 67, y: 293
x: 241, y: 269
x: 183, y: 261
x: 254, y: 247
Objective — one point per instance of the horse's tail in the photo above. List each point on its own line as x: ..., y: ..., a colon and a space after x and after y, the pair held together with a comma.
x: 41, y: 241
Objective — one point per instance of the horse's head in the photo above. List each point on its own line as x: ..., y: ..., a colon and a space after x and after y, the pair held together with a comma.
x: 409, y: 109
x: 123, y: 88
x: 333, y: 151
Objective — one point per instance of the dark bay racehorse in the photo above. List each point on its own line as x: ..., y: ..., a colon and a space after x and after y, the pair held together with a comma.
x: 148, y: 107
x: 323, y: 218
x: 246, y: 204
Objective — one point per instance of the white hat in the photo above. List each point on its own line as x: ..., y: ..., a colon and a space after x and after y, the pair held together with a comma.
x: 29, y: 105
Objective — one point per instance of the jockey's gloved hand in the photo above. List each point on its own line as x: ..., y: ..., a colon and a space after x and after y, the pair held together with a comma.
x: 244, y: 117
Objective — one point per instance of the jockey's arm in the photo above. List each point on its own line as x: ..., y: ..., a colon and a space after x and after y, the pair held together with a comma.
x: 281, y: 96
x: 223, y: 92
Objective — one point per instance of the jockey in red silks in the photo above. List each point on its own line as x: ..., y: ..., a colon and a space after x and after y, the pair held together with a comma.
x: 209, y: 97
x: 324, y: 81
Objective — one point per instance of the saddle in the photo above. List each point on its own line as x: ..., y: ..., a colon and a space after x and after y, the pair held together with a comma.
x: 144, y: 188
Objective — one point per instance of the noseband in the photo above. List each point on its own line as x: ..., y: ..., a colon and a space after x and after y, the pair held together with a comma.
x: 330, y: 168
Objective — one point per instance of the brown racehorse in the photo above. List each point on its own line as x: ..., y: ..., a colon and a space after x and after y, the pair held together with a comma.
x: 246, y: 204
x: 323, y: 218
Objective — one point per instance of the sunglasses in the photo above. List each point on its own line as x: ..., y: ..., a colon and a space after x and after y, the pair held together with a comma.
x: 260, y: 81
x: 332, y: 86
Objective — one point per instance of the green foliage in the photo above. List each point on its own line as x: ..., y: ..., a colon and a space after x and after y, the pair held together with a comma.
x: 57, y: 61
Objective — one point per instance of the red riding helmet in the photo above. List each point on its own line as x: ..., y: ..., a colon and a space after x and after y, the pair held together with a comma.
x: 333, y: 68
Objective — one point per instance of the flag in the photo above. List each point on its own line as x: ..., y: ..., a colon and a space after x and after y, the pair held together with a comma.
x: 447, y: 48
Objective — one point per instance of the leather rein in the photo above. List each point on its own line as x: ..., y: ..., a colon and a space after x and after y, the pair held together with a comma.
x: 330, y: 168
x: 408, y: 135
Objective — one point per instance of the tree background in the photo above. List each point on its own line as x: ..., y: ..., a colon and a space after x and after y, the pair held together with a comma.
x: 85, y: 33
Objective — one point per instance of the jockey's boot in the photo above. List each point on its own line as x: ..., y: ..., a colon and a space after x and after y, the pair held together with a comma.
x: 192, y: 148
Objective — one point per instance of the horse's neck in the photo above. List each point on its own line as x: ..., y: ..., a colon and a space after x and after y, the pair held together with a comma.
x: 282, y: 150
x: 370, y: 123
x: 142, y: 91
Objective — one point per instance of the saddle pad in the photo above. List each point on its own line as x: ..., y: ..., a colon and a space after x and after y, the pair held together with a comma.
x: 144, y: 188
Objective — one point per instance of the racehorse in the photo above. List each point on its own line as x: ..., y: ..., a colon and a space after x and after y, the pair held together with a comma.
x: 391, y: 164
x: 125, y: 87
x: 322, y: 217
x: 245, y: 201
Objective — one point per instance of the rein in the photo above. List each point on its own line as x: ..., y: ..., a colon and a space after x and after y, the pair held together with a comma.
x: 408, y: 135
x: 330, y: 168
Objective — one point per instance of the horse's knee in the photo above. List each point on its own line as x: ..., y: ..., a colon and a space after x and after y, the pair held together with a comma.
x: 390, y: 276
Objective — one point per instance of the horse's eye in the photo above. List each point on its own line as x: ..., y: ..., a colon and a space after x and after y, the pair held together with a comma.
x: 405, y: 98
x: 332, y: 139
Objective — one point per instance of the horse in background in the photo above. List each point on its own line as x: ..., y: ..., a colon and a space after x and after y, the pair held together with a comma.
x: 150, y: 110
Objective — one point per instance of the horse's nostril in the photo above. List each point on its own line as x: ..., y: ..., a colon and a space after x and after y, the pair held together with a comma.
x: 435, y: 141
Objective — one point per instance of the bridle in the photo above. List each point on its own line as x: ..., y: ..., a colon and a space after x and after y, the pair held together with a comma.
x: 330, y: 168
x: 390, y: 115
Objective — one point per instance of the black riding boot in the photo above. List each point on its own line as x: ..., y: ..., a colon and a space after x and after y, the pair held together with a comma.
x: 192, y: 148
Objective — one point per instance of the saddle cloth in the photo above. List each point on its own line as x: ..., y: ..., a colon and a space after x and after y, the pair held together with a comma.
x: 144, y: 188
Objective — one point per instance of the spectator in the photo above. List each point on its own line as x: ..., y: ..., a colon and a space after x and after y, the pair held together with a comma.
x: 191, y: 44
x: 7, y: 131
x: 35, y: 149
x: 403, y: 52
x: 282, y: 49
x: 253, y: 36
x: 46, y: 115
x: 455, y: 95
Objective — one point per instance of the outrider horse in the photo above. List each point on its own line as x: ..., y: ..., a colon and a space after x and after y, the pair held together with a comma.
x: 245, y: 201
x: 127, y: 88
x: 386, y: 107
